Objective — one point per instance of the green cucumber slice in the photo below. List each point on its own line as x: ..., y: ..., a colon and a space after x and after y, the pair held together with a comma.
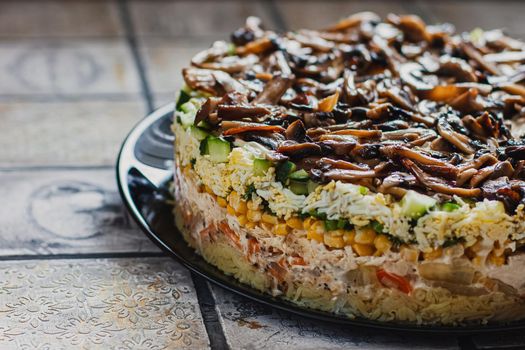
x: 298, y: 187
x: 415, y: 204
x: 299, y: 175
x: 199, y: 133
x: 184, y: 96
x: 283, y: 170
x: 261, y: 166
x: 218, y: 149
x: 311, y: 185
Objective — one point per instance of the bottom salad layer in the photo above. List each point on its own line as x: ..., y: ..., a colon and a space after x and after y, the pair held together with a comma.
x: 346, y: 269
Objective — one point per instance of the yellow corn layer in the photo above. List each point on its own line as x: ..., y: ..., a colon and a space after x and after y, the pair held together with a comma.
x: 334, y: 241
x: 222, y: 202
x: 364, y: 241
x: 365, y: 236
x: 295, y: 223
x: 281, y: 229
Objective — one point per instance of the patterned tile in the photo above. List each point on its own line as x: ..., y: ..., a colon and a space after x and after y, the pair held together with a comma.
x: 67, y: 68
x: 65, y: 212
x: 164, y: 60
x: 250, y: 325
x: 59, y: 18
x: 99, y: 304
x: 65, y: 133
x: 213, y: 19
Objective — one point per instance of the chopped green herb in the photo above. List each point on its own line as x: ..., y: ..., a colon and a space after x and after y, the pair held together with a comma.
x: 318, y: 215
x: 250, y: 190
x: 450, y: 241
x: 363, y: 190
x: 377, y: 226
x: 450, y: 206
x: 330, y: 225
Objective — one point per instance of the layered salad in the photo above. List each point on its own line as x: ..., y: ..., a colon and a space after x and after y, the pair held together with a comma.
x: 373, y: 168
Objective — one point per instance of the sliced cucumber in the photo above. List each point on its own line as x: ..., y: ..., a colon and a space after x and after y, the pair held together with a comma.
x: 299, y: 175
x: 415, y: 204
x: 261, y: 166
x: 184, y: 96
x: 283, y: 170
x: 311, y: 186
x: 198, y: 133
x: 218, y: 149
x: 298, y: 187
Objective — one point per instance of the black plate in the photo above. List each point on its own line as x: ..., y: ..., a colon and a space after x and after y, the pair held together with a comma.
x: 143, y: 172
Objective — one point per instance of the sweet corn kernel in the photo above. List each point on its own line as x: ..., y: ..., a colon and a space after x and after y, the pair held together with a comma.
x: 252, y: 205
x: 250, y: 225
x: 434, y: 254
x: 363, y: 249
x: 308, y: 222
x: 242, y: 220
x: 382, y: 243
x: 208, y: 189
x: 253, y: 215
x: 295, y: 223
x: 318, y: 226
x: 349, y: 237
x: 265, y: 226
x: 269, y: 219
x: 222, y: 202
x: 365, y: 236
x: 334, y: 241
x: 316, y: 236
x: 241, y: 208
x: 496, y: 260
x: 230, y: 210
x: 281, y: 229
x: 409, y: 254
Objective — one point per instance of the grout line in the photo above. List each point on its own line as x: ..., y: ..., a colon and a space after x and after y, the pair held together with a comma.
x: 135, y: 52
x: 84, y: 256
x: 210, y: 315
x: 273, y: 9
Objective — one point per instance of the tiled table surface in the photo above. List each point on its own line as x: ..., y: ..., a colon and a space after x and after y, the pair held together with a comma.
x: 75, y: 76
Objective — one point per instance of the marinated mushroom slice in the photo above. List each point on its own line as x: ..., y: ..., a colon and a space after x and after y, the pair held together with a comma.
x: 436, y: 184
x: 237, y: 112
x: 298, y: 150
x: 457, y: 68
x: 460, y: 141
x: 274, y: 90
x: 254, y: 128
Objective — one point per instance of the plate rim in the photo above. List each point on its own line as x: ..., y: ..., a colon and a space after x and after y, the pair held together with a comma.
x: 261, y: 297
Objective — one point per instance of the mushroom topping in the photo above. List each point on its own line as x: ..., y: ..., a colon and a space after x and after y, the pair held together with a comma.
x: 392, y: 105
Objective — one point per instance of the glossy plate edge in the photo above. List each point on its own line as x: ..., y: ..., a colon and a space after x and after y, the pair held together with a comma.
x: 126, y: 161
